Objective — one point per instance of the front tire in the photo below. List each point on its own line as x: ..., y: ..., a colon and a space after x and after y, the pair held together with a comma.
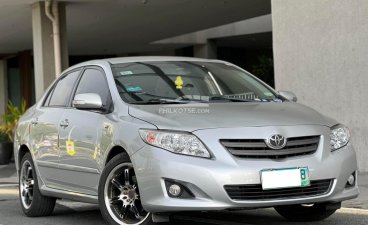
x: 33, y: 203
x: 118, y: 194
x: 307, y: 213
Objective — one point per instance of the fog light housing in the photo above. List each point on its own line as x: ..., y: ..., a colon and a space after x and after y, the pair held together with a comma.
x: 351, y: 181
x: 177, y: 189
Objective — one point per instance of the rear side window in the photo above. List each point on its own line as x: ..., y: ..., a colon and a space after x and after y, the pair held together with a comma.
x: 63, y: 90
x: 94, y: 81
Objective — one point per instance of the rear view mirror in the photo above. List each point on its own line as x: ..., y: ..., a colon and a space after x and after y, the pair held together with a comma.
x: 87, y: 101
x: 288, y: 95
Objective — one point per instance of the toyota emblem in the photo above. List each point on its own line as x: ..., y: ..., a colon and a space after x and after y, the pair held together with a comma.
x: 276, y: 141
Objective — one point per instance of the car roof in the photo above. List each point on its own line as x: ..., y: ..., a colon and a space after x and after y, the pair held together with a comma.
x: 140, y: 59
x: 156, y: 58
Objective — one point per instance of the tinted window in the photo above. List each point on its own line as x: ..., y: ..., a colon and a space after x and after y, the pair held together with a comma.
x: 148, y: 82
x: 93, y: 81
x: 63, y: 89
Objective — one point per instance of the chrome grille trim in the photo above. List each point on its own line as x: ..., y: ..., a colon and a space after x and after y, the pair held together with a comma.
x: 257, y: 148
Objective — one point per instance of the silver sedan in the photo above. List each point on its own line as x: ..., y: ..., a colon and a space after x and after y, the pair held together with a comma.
x: 144, y: 137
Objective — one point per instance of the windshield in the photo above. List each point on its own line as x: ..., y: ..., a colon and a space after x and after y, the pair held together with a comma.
x: 179, y: 82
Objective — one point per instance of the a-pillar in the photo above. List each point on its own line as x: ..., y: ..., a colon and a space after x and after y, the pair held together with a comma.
x: 43, y: 46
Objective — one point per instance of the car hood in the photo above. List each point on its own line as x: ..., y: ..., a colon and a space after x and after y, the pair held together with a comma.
x: 196, y: 116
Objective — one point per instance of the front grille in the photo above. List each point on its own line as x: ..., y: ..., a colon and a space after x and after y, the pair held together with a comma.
x: 255, y: 191
x: 257, y: 148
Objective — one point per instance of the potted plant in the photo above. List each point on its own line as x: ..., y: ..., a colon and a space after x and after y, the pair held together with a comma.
x: 7, y: 127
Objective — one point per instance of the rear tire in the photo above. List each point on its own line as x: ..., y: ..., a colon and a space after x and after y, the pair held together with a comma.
x: 118, y: 194
x: 307, y: 213
x: 33, y: 203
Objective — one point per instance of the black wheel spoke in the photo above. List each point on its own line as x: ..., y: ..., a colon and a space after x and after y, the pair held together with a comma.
x: 126, y: 177
x: 30, y: 196
x: 114, y: 201
x: 124, y: 212
x: 136, y: 212
x: 30, y: 182
x: 29, y: 172
x: 117, y: 184
x: 24, y: 176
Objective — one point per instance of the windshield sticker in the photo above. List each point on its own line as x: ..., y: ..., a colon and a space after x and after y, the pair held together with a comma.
x: 179, y: 82
x: 70, y: 148
x: 134, y: 89
x: 126, y: 73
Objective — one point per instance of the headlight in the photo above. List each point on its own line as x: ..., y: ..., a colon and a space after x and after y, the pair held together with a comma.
x: 181, y: 143
x: 339, y: 137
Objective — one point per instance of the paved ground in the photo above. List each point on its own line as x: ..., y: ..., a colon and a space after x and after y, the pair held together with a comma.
x: 70, y: 213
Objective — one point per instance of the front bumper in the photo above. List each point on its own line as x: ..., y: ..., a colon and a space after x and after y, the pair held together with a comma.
x: 206, y: 178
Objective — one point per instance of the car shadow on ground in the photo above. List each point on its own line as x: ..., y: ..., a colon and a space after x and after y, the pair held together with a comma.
x: 70, y: 213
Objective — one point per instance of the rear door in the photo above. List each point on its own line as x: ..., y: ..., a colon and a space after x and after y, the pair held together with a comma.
x: 44, y: 128
x: 86, y: 133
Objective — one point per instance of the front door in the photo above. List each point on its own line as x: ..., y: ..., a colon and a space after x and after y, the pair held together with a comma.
x: 82, y: 135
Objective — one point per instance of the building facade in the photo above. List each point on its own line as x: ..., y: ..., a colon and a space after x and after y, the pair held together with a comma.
x: 315, y: 48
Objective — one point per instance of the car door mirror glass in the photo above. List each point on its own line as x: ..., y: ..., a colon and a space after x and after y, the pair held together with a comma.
x: 288, y: 95
x: 87, y: 101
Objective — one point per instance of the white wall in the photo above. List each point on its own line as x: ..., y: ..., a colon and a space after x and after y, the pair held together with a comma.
x: 321, y: 53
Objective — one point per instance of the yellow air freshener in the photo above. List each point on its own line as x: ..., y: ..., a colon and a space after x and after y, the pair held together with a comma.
x: 179, y: 82
x: 70, y: 148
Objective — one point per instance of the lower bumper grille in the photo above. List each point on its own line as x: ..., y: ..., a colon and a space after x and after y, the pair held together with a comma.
x: 255, y: 191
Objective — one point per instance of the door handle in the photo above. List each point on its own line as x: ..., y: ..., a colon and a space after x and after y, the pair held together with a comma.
x: 34, y: 121
x: 64, y: 124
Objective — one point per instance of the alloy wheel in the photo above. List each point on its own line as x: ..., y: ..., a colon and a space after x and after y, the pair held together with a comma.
x: 122, y: 198
x: 26, y: 184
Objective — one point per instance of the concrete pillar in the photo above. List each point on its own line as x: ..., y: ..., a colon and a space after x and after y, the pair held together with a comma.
x: 43, y: 46
x: 320, y: 52
x: 206, y: 51
x: 3, y: 87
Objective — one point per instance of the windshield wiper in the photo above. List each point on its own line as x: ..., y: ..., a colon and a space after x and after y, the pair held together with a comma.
x: 159, y: 101
x: 214, y: 98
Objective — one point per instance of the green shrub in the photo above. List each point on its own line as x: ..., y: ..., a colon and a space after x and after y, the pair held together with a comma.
x: 10, y: 119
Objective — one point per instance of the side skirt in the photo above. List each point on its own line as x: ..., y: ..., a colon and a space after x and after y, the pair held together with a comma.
x: 74, y: 196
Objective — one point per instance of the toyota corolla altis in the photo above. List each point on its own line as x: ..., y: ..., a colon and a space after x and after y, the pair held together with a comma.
x: 145, y: 137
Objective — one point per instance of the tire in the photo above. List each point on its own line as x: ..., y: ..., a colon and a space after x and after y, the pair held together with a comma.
x: 307, y: 213
x: 118, y: 194
x: 33, y: 203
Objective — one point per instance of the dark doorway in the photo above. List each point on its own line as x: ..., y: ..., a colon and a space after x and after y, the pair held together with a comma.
x: 251, y: 52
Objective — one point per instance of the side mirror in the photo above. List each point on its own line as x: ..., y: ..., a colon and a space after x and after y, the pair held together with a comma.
x: 288, y: 95
x: 87, y: 101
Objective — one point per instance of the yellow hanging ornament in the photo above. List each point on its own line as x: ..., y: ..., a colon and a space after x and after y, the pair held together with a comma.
x: 179, y: 82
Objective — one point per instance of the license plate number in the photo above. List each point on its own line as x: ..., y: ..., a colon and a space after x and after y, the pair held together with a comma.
x: 285, y: 178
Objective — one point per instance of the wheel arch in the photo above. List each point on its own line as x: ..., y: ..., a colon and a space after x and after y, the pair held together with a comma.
x: 116, y: 150
x: 23, y: 149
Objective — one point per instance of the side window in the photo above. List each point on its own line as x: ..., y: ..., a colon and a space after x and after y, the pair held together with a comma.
x: 94, y: 81
x: 63, y: 90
